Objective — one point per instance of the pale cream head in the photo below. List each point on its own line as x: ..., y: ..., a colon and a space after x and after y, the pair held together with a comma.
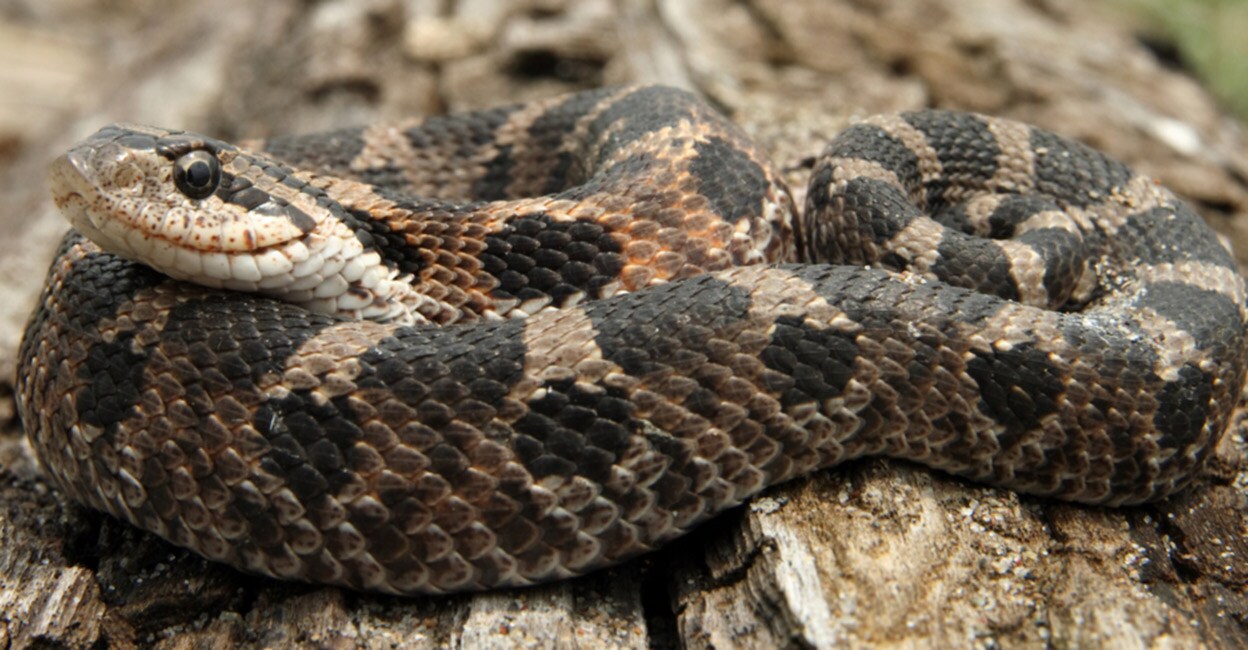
x: 202, y: 210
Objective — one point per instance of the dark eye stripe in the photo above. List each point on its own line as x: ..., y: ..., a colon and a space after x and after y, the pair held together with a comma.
x: 250, y: 198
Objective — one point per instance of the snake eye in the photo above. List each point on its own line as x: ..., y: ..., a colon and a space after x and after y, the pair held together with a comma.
x: 197, y: 174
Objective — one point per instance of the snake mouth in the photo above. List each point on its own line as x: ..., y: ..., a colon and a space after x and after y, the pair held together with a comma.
x: 68, y: 176
x: 72, y: 192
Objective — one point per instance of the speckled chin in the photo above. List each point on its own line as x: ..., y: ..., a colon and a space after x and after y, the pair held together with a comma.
x: 120, y: 196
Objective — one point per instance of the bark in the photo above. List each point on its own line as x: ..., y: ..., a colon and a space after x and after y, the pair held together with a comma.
x: 873, y: 553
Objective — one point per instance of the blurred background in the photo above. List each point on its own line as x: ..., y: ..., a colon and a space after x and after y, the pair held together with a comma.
x: 1205, y: 37
x: 1160, y: 84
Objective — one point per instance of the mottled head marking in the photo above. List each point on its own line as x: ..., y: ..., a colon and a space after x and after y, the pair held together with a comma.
x: 202, y: 210
x: 134, y: 189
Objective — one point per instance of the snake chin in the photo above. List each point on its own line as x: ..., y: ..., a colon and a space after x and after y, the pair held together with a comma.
x: 78, y: 201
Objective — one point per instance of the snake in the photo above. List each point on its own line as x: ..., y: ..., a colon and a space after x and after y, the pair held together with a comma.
x: 519, y: 344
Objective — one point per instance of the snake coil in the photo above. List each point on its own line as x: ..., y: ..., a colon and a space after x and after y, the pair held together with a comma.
x: 594, y: 321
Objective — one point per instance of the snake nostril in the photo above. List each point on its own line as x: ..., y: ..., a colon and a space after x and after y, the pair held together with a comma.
x: 128, y: 178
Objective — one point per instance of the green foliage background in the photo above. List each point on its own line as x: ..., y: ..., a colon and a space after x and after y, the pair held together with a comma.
x: 1210, y: 37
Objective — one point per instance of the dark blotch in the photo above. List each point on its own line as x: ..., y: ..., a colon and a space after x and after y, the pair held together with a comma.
x: 492, y: 185
x: 1074, y: 173
x: 964, y: 262
x: 868, y: 142
x: 550, y: 131
x: 536, y: 256
x: 114, y: 373
x: 734, y: 184
x: 820, y: 360
x: 653, y: 337
x: 1183, y: 408
x: 967, y: 151
x: 1169, y: 235
x: 641, y: 113
x: 1018, y: 387
x: 328, y: 151
x: 1211, y: 318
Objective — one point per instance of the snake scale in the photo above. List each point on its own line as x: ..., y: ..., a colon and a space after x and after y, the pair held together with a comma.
x: 520, y: 344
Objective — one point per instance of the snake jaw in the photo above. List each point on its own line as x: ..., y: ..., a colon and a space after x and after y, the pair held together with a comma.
x: 81, y: 201
x: 249, y: 227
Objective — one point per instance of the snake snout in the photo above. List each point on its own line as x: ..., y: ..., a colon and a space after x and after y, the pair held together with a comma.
x: 72, y: 191
x: 68, y: 175
x: 99, y: 185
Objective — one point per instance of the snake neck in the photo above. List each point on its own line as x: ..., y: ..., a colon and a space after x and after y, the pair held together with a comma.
x: 395, y: 258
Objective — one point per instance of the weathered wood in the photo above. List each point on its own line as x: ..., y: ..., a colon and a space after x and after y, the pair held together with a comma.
x: 875, y: 553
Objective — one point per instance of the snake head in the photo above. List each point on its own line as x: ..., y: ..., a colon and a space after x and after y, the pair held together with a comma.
x: 190, y: 206
x: 205, y: 211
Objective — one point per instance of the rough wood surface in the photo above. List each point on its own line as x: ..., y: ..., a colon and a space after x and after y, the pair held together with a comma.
x: 873, y: 554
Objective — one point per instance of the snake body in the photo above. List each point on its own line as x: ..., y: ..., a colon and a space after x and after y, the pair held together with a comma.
x: 596, y: 321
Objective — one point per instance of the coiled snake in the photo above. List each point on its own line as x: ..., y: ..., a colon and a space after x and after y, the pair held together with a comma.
x: 586, y: 334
